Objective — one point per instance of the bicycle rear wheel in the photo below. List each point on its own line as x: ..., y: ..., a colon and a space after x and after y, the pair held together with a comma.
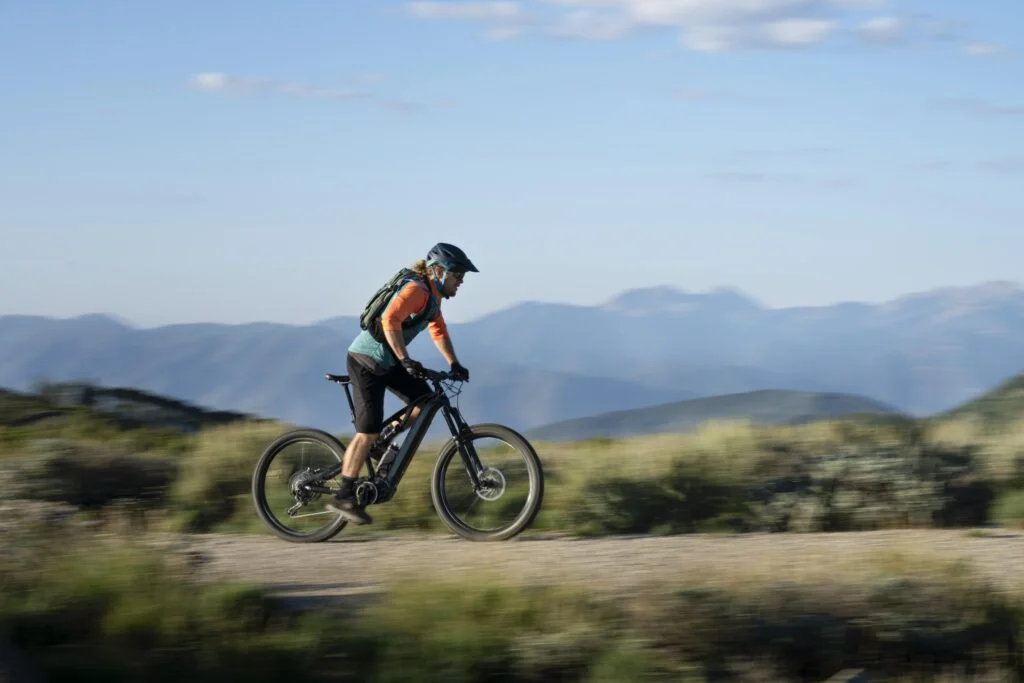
x: 290, y: 461
x: 513, y: 490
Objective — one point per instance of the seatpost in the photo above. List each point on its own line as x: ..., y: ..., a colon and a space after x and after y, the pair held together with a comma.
x: 351, y: 405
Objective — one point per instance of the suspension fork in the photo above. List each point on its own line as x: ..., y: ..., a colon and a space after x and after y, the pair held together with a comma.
x: 461, y: 433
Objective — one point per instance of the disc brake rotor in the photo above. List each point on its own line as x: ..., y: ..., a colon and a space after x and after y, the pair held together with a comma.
x: 492, y: 485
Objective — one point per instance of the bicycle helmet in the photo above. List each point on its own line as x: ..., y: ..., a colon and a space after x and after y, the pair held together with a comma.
x: 450, y: 257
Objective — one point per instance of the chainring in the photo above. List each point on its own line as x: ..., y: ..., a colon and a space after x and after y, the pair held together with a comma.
x: 366, y: 492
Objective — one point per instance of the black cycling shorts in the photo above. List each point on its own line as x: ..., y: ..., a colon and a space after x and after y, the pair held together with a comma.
x: 368, y: 393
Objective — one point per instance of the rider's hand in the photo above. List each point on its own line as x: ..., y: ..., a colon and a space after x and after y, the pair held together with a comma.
x: 413, y: 367
x: 459, y: 372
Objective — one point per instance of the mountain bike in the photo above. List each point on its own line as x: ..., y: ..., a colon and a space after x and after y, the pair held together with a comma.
x: 304, y: 486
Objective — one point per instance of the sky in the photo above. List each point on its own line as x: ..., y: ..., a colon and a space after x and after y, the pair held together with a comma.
x: 277, y: 161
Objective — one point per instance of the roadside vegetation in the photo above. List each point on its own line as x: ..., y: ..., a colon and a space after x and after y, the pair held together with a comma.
x: 860, y: 473
x: 91, y: 588
x: 99, y: 600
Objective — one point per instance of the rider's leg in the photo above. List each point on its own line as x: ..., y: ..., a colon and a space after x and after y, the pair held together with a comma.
x: 368, y: 403
x: 413, y: 414
x: 355, y: 454
x: 407, y: 388
x: 368, y: 399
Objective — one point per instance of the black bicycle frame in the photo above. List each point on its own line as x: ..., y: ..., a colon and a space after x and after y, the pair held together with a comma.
x: 429, y: 405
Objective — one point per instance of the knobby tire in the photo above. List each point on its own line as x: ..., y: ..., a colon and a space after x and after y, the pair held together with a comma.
x: 536, y: 473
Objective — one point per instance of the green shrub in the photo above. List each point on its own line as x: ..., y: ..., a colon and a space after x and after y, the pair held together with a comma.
x: 688, y: 498
x: 84, y: 606
x: 1008, y: 510
x: 829, y: 476
x: 893, y: 627
x: 214, y: 483
x: 869, y: 488
x: 478, y: 630
x: 86, y: 475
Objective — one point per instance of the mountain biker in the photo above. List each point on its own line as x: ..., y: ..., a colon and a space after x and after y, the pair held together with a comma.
x: 374, y: 366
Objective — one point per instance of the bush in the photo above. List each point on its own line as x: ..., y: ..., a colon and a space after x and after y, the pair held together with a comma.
x: 87, y: 476
x: 85, y: 606
x: 854, y: 488
x: 215, y: 476
x: 1008, y: 510
x: 687, y: 499
x: 838, y: 476
x: 106, y: 608
x: 894, y: 626
x: 479, y: 630
x: 859, y: 489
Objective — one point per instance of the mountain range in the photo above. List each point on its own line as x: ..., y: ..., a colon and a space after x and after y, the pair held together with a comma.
x: 538, y: 363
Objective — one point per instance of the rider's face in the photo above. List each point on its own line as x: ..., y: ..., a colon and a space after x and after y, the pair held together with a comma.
x: 452, y: 282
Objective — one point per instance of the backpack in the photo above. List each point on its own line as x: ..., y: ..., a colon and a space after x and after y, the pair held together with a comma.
x: 369, y: 319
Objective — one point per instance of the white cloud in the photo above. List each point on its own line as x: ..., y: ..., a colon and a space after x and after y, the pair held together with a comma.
x: 882, y: 30
x: 715, y: 12
x: 591, y: 25
x: 506, y: 20
x: 218, y: 82
x: 702, y: 25
x: 784, y: 33
x: 221, y: 82
x: 210, y: 81
x: 798, y: 32
x: 504, y: 32
x: 983, y: 49
x: 710, y: 38
x: 468, y: 11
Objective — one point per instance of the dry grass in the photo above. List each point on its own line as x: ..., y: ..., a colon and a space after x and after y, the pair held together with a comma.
x: 1001, y: 448
x: 211, y: 490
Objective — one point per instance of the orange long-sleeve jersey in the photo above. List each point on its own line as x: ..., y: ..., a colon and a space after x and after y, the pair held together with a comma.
x: 412, y: 299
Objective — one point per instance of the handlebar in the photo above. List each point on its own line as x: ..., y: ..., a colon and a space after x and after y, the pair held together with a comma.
x: 436, y: 376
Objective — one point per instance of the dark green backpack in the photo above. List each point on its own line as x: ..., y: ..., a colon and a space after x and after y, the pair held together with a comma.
x: 369, y: 320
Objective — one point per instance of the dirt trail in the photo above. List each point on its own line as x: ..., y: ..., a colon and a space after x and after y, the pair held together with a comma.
x: 351, y: 566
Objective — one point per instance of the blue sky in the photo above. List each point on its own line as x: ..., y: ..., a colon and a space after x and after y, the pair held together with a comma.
x: 239, y: 161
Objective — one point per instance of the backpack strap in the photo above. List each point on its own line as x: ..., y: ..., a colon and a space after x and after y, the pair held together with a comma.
x: 375, y: 329
x: 431, y: 301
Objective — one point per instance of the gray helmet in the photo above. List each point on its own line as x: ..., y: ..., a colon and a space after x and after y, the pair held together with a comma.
x: 451, y: 258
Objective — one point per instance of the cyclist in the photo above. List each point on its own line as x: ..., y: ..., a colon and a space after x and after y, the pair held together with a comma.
x: 378, y: 359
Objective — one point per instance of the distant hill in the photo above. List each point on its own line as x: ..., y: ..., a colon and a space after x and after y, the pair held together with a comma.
x: 1003, y: 404
x: 17, y: 408
x: 764, y: 407
x: 537, y: 363
x: 124, y: 406
x: 925, y: 352
x: 278, y: 370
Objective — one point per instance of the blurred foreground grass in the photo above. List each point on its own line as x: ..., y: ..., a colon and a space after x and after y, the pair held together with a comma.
x: 829, y: 476
x: 88, y: 601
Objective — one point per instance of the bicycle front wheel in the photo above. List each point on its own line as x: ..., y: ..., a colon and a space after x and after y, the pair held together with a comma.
x: 512, y: 485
